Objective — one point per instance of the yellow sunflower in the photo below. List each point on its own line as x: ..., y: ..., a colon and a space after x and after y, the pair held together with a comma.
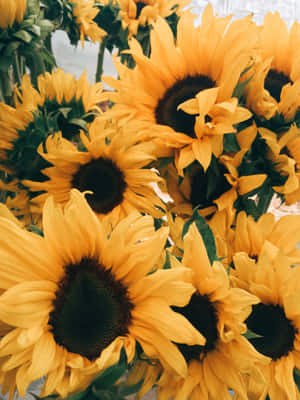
x: 218, y: 312
x: 217, y: 188
x: 113, y: 171
x: 59, y: 103
x: 73, y: 301
x: 11, y: 11
x: 292, y: 148
x: 275, y: 77
x: 244, y: 234
x: 212, y: 56
x: 85, y: 12
x: 281, y: 157
x: 135, y: 13
x: 275, y: 319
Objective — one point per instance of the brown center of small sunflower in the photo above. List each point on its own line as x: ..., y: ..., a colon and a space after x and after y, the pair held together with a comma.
x: 202, y: 313
x: 209, y: 185
x: 105, y: 180
x: 274, y: 83
x: 277, y: 332
x: 90, y: 310
x: 166, y: 112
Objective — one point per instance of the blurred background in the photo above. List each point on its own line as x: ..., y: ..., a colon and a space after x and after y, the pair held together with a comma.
x: 76, y: 59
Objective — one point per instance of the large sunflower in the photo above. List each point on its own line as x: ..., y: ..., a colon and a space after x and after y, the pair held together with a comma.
x: 60, y: 103
x: 244, y: 234
x: 11, y: 11
x: 281, y: 159
x: 275, y: 78
x: 217, y: 188
x: 73, y: 301
x: 275, y: 319
x: 212, y: 56
x: 112, y: 170
x: 219, y: 312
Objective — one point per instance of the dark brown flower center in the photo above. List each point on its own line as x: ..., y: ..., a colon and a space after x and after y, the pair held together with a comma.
x: 105, y: 180
x: 209, y: 185
x: 274, y: 83
x: 90, y: 310
x: 202, y: 313
x: 276, y: 330
x: 166, y: 112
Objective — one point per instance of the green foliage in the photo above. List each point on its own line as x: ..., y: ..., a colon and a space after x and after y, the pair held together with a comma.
x: 67, y: 117
x: 22, y: 45
x: 205, y: 232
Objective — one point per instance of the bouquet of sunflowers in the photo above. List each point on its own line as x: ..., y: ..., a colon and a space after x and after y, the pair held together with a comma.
x: 137, y: 250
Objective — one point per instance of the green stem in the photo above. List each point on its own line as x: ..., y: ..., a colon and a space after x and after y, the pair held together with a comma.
x: 99, y: 70
x: 17, y: 73
x: 6, y: 87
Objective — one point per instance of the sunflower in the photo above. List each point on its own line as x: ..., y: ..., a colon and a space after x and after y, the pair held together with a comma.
x: 275, y: 319
x: 11, y: 11
x: 60, y: 103
x: 74, y: 302
x: 217, y: 188
x: 206, y: 62
x: 135, y: 13
x: 218, y: 312
x: 244, y: 234
x: 274, y: 86
x: 84, y: 12
x: 112, y: 170
x: 280, y: 158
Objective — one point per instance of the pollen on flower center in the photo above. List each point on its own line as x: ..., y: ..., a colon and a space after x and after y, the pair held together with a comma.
x: 91, y: 309
x: 207, y: 186
x: 202, y: 313
x: 277, y: 332
x: 104, y: 178
x: 274, y: 83
x: 166, y: 112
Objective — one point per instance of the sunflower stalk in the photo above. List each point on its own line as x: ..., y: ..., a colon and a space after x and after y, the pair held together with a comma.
x: 17, y: 68
x: 100, y: 59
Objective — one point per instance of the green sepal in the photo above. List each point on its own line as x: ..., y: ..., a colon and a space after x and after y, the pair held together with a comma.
x: 24, y: 36
x: 206, y: 233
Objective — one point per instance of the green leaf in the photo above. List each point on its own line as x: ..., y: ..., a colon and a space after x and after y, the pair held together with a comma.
x: 230, y: 143
x: 240, y: 87
x: 24, y: 36
x: 111, y: 375
x: 79, y: 122
x: 167, y: 264
x: 205, y: 232
x: 297, y: 377
x: 251, y: 335
x: 126, y: 390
